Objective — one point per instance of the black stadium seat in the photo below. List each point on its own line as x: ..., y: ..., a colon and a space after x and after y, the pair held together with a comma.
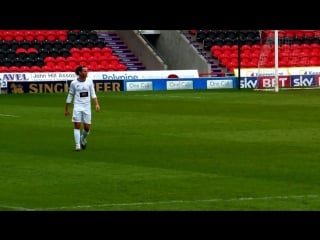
x: 57, y: 44
x: 19, y: 61
x: 4, y: 45
x: 36, y: 44
x: 14, y: 44
x: 78, y: 43
x: 93, y: 35
x: 25, y: 44
x: 29, y: 62
x: 72, y: 35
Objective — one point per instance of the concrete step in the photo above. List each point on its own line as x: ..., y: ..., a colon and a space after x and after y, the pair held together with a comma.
x: 124, y: 55
x: 110, y: 38
x: 121, y: 51
x: 123, y: 47
x: 129, y: 59
x: 114, y: 42
x: 108, y: 34
x: 136, y: 68
x: 133, y: 64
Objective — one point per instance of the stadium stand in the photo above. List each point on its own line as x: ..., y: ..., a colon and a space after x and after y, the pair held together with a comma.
x: 196, y: 38
x: 121, y: 51
x: 62, y: 50
x: 297, y: 48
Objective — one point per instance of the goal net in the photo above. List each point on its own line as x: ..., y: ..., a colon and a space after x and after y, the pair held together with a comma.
x: 288, y: 59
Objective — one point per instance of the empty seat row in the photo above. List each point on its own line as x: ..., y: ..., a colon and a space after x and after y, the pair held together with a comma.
x: 231, y: 34
x: 5, y: 45
x: 51, y: 35
x: 58, y: 68
x: 30, y: 35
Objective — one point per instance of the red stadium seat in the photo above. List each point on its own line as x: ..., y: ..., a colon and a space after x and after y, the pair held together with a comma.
x: 35, y: 68
x: 122, y: 67
x: 25, y: 69
x: 61, y: 61
x: 18, y: 35
x: 75, y: 52
x: 96, y: 52
x: 50, y: 61
x: 4, y: 69
x: 69, y: 68
x: 13, y: 69
x: 85, y: 52
x: 82, y: 61
x: 8, y: 36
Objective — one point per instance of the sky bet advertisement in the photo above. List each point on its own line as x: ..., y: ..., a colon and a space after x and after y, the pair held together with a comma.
x: 295, y: 81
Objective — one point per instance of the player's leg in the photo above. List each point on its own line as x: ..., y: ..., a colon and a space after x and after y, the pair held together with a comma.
x: 86, y: 129
x: 76, y: 119
x: 84, y: 135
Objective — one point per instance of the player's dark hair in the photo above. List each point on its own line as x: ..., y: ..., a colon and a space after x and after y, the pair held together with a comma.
x: 79, y: 69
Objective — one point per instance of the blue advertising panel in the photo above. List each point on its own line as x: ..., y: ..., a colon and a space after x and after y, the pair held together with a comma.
x: 59, y: 86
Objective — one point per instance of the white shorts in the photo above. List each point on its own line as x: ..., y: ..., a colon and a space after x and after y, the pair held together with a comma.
x: 81, y: 116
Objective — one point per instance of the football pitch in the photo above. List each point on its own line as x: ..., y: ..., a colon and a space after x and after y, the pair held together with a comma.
x: 163, y: 150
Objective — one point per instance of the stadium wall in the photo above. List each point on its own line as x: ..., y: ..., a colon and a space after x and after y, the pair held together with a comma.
x: 142, y: 50
x: 178, y: 52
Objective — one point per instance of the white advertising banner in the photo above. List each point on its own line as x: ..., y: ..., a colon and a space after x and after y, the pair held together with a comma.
x: 38, y: 76
x: 175, y: 85
x: 139, y: 86
x: 304, y: 71
x: 225, y: 83
x: 255, y: 72
x: 138, y: 75
x: 118, y: 75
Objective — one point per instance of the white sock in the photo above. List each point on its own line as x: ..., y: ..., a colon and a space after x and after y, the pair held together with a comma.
x: 85, y: 134
x: 76, y: 135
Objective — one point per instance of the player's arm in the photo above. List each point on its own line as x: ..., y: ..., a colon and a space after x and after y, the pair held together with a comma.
x: 66, y: 111
x: 69, y: 100
x: 95, y: 98
x: 97, y: 104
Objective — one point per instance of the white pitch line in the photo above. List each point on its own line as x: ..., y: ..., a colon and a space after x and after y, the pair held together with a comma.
x: 184, y: 201
x: 8, y: 115
x: 163, y: 202
x: 16, y: 208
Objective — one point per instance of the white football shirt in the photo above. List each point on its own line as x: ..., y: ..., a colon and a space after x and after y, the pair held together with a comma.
x: 82, y: 93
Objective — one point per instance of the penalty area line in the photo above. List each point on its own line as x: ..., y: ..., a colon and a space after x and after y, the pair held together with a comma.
x: 8, y: 115
x: 186, y: 201
x: 16, y: 208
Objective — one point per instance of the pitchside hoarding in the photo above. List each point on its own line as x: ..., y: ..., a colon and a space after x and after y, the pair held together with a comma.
x: 59, y: 86
x: 21, y: 83
x: 123, y: 85
x: 281, y: 71
x: 180, y: 84
x: 295, y: 81
x: 118, y: 75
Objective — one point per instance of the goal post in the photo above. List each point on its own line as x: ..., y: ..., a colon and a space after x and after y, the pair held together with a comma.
x: 276, y: 61
x: 268, y: 64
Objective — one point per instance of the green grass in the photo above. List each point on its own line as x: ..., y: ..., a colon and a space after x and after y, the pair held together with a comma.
x: 173, y: 150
